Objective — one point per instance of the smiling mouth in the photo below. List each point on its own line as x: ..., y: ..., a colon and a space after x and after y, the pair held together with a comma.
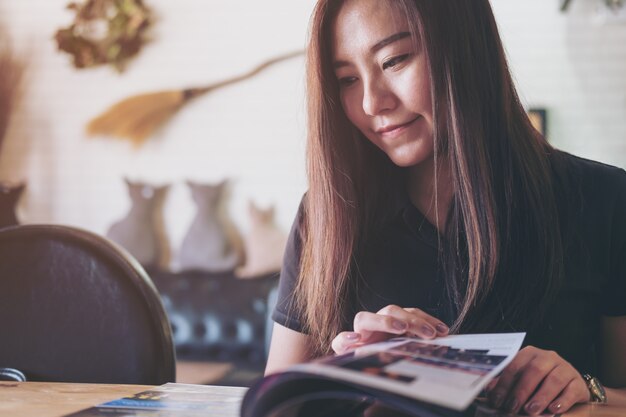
x: 392, y: 130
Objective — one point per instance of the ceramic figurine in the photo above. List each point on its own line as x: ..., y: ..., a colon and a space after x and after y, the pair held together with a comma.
x: 264, y: 245
x: 142, y: 231
x: 209, y: 244
x: 9, y: 197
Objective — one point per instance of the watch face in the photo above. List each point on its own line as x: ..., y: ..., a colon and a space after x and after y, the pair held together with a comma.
x: 596, y: 390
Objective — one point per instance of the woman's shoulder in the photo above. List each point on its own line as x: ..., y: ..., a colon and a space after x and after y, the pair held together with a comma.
x: 593, y: 170
x: 591, y: 180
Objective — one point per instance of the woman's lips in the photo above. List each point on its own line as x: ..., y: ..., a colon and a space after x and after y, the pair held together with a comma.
x: 394, y: 130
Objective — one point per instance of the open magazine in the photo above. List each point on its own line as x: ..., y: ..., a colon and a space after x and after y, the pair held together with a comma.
x: 425, y: 378
x: 171, y: 400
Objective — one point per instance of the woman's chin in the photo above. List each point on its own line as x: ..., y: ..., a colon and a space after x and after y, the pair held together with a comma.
x: 409, y: 159
x: 409, y: 151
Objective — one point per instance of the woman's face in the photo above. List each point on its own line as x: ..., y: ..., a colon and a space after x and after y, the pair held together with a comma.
x: 383, y: 78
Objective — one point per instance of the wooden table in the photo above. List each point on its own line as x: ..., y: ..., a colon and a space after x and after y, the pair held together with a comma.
x: 53, y: 399
x: 596, y: 410
x: 50, y: 399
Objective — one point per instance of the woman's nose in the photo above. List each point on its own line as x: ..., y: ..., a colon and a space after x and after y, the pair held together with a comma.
x: 377, y: 98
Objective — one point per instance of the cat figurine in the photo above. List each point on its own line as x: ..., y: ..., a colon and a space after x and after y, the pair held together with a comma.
x: 142, y: 231
x: 9, y: 197
x: 264, y: 244
x: 209, y: 244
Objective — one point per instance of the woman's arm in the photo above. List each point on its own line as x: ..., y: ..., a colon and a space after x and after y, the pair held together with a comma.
x: 613, y: 363
x: 287, y: 348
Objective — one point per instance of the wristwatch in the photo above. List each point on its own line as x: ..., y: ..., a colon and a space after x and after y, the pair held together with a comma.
x: 596, y: 390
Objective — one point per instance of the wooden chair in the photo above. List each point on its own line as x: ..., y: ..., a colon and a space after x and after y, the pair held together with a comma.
x: 74, y: 307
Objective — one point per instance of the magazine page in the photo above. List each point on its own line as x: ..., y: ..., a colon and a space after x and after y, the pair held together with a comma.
x: 171, y: 399
x: 449, y: 371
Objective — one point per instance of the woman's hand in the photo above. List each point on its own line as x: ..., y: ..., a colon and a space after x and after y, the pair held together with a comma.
x: 390, y: 321
x: 538, y: 380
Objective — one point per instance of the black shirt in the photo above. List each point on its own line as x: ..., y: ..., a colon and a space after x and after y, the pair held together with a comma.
x: 401, y: 266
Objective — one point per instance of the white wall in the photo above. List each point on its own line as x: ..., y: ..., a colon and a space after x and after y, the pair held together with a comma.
x: 254, y: 131
x: 574, y: 65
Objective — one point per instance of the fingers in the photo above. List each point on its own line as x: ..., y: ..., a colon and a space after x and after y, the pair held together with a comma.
x: 548, y: 390
x: 371, y: 325
x: 536, y: 373
x: 344, y: 341
x: 424, y: 325
x: 537, y: 380
x: 561, y: 389
x: 388, y: 322
x: 498, y: 396
x: 492, y: 384
x: 418, y: 323
x: 575, y: 392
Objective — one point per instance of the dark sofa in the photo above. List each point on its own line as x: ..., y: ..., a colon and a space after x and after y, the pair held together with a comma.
x: 217, y: 317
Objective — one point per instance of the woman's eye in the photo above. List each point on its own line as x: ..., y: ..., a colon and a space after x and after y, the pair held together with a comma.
x: 394, y: 61
x: 346, y: 81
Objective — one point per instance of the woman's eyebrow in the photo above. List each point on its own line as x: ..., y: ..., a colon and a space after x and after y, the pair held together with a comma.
x: 391, y: 39
x: 377, y: 47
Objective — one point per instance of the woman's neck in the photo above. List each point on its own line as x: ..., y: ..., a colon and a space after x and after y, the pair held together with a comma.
x: 431, y: 193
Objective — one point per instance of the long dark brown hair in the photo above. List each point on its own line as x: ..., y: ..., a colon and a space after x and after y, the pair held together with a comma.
x: 502, y: 252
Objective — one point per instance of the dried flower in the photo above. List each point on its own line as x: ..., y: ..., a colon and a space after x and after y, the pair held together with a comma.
x: 105, y: 32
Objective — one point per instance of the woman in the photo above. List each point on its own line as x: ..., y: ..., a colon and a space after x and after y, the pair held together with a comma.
x: 435, y: 207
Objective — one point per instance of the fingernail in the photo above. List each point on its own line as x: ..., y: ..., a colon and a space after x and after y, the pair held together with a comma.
x: 442, y: 328
x: 533, y: 408
x: 555, y: 407
x: 398, y: 325
x: 352, y: 336
x: 428, y: 331
x: 512, y: 405
x: 497, y: 399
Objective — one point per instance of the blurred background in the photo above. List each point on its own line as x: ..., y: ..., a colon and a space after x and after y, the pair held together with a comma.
x: 251, y: 132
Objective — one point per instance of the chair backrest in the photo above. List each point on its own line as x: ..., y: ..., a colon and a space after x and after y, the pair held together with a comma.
x: 74, y: 307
